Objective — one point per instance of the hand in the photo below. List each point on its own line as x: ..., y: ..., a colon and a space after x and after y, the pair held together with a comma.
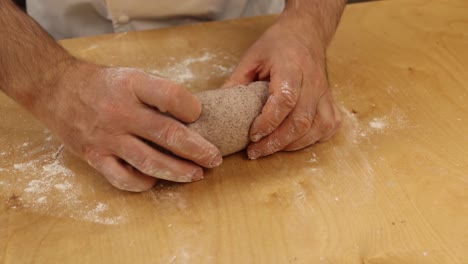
x: 111, y: 117
x: 300, y: 109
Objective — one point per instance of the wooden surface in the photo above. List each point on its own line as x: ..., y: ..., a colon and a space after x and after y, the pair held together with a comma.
x: 392, y: 187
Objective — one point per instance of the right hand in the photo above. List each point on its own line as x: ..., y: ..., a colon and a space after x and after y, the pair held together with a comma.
x: 111, y: 117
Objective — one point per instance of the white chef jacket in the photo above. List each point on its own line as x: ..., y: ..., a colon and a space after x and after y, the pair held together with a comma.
x: 76, y: 18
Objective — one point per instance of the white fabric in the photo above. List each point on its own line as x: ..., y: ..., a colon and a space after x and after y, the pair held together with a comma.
x: 75, y: 18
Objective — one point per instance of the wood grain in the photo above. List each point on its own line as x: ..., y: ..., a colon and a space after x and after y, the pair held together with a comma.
x: 391, y: 187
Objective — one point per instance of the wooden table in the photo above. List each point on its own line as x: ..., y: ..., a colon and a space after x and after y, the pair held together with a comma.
x: 392, y: 187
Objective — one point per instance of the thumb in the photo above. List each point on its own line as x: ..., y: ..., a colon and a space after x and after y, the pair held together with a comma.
x: 245, y: 72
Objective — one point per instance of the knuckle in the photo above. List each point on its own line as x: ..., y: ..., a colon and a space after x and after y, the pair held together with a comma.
x: 119, y: 183
x: 274, y: 145
x: 287, y: 98
x: 127, y: 185
x: 143, y: 185
x: 301, y: 124
x: 207, y: 156
x: 169, y: 94
x: 328, y: 125
x: 147, y: 165
x: 92, y: 156
x: 147, y: 185
x: 127, y: 182
x: 270, y: 124
x: 310, y: 140
x: 173, y: 134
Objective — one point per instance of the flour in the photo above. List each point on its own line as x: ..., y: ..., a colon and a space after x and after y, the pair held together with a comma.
x: 101, y: 207
x: 346, y: 147
x: 90, y: 48
x: 184, y: 71
x: 313, y: 159
x: 41, y: 200
x: 36, y: 186
x: 351, y: 147
x: 63, y: 186
x: 46, y: 185
x: 96, y: 215
x: 55, y: 169
x: 27, y: 166
x: 378, y: 123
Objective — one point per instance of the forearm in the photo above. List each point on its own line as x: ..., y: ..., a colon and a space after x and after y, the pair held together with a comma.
x: 314, y: 19
x: 30, y: 60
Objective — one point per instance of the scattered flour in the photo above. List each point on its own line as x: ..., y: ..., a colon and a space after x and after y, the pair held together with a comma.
x: 378, y: 123
x: 349, y: 146
x: 47, y: 186
x: 36, y: 186
x: 41, y: 200
x: 184, y: 71
x: 56, y: 168
x: 101, y: 207
x: 27, y: 166
x: 95, y: 215
x: 63, y: 186
x: 313, y: 159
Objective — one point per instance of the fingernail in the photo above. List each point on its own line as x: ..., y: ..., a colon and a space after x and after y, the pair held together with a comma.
x: 254, y: 154
x: 197, y: 175
x: 256, y: 137
x: 216, y: 161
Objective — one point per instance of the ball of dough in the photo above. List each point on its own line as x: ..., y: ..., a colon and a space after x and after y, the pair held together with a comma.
x: 227, y: 115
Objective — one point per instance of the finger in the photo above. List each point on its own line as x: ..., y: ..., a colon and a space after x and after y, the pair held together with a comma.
x: 296, y: 125
x: 175, y: 137
x: 245, y: 72
x: 167, y: 96
x: 337, y: 125
x: 323, y: 125
x: 122, y: 176
x: 156, y: 164
x: 285, y: 87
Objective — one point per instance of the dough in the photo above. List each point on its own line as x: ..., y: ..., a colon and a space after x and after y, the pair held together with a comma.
x: 227, y: 115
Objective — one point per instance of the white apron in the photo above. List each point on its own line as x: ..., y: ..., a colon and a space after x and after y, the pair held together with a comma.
x: 76, y: 18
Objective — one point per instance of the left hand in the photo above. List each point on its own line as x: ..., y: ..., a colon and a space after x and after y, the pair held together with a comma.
x: 300, y: 110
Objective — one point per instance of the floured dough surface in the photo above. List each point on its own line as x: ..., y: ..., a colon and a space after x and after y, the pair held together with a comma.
x: 227, y: 115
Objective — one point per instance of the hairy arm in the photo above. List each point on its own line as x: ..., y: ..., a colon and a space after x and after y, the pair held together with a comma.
x: 323, y: 14
x: 104, y: 115
x: 30, y: 60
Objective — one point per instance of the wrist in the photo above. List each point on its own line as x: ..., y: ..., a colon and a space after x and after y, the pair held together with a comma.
x: 309, y: 36
x: 305, y: 28
x: 315, y: 20
x: 40, y: 88
x: 58, y: 87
